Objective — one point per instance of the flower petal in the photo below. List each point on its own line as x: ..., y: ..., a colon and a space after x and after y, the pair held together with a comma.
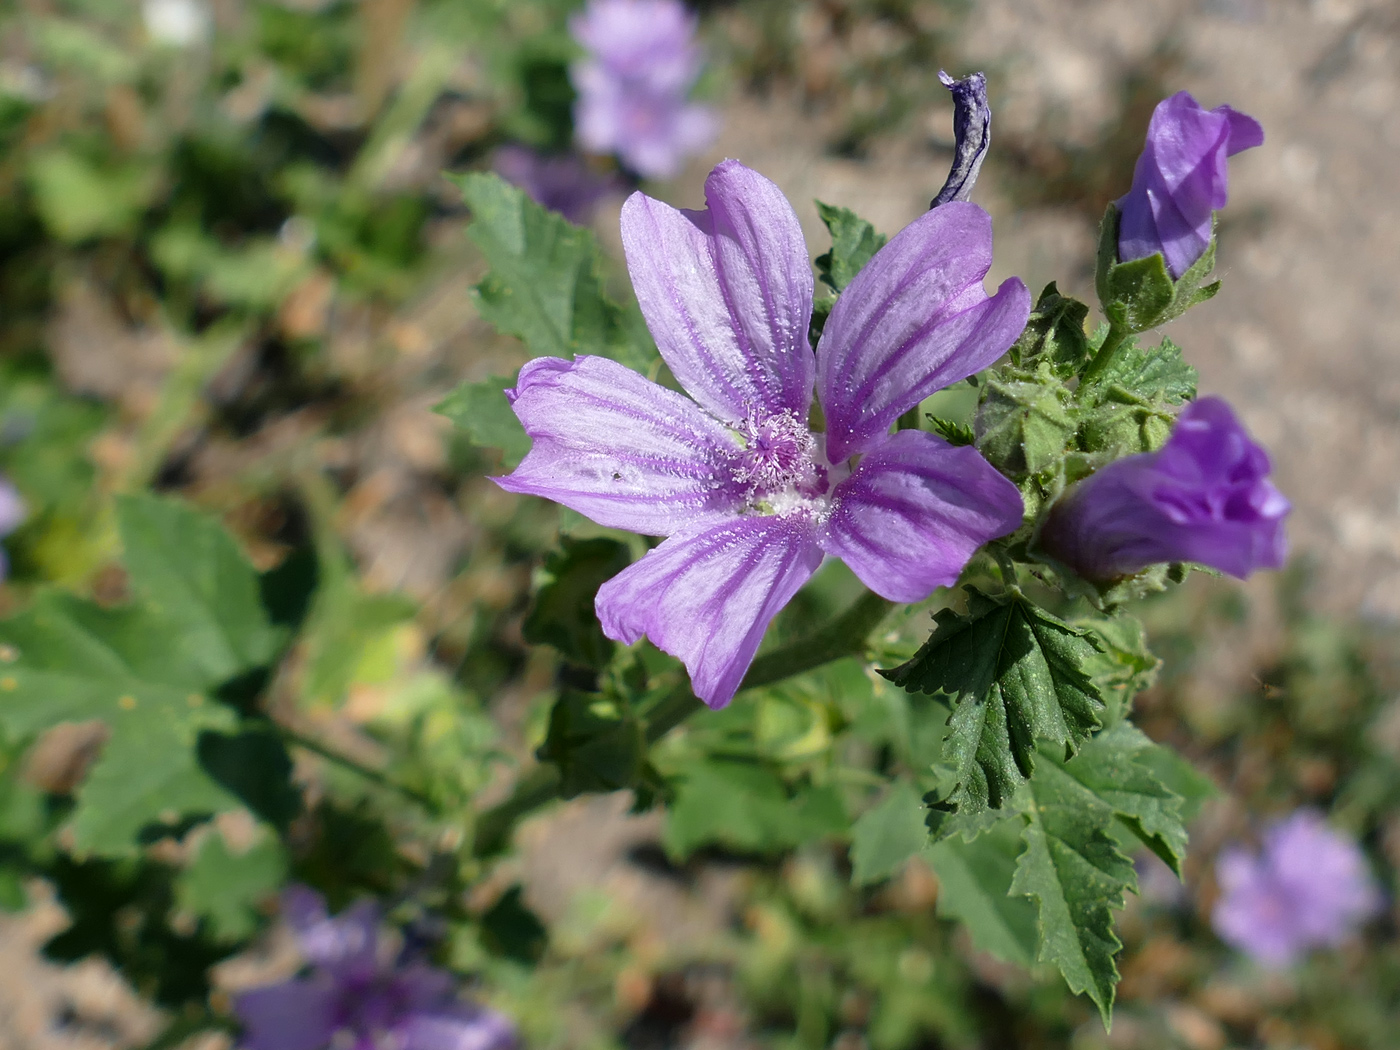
x: 346, y: 944
x: 914, y: 511
x: 456, y: 1027
x: 619, y: 448
x: 727, y: 293
x: 913, y: 321
x: 293, y: 1015
x: 707, y: 595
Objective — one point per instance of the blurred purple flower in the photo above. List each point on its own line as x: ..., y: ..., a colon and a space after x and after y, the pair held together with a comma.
x: 748, y: 496
x: 562, y: 182
x: 634, y: 85
x: 12, y: 515
x: 1205, y: 497
x: 357, y: 996
x: 1180, y: 179
x: 1309, y: 887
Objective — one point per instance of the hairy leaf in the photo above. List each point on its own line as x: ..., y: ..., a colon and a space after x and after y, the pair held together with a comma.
x: 1024, y: 423
x: 1054, y: 334
x: 853, y: 243
x: 545, y: 283
x: 888, y: 834
x: 1016, y: 675
x: 1077, y: 875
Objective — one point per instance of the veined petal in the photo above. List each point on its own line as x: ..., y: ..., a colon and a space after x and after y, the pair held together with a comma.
x: 294, y: 1015
x: 913, y: 321
x: 727, y: 293
x: 914, y: 511
x: 707, y: 595
x: 620, y: 449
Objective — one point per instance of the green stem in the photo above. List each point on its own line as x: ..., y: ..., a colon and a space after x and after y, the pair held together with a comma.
x: 1112, y: 344
x: 844, y: 636
x: 368, y: 773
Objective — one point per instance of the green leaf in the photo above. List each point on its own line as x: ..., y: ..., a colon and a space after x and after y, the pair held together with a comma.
x: 853, y: 243
x: 745, y: 806
x: 563, y: 614
x: 1157, y: 375
x: 79, y: 201
x: 596, y: 745
x: 1109, y: 766
x: 1024, y: 423
x: 1016, y: 675
x: 953, y: 433
x: 1077, y: 875
x: 1054, y: 335
x: 545, y: 284
x: 147, y: 670
x: 888, y: 834
x: 224, y: 887
x: 1124, y: 665
x: 189, y: 571
x: 483, y: 412
x: 974, y: 887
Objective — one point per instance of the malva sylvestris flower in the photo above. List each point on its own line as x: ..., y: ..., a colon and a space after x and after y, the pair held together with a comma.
x: 634, y: 85
x: 358, y: 996
x: 749, y: 497
x: 1308, y: 887
x: 1180, y: 180
x: 1204, y: 496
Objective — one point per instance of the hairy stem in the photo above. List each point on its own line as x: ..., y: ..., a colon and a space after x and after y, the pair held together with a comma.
x: 843, y: 636
x: 1113, y: 342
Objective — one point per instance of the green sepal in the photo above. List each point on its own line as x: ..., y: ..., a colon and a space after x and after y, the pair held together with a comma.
x: 596, y: 743
x: 854, y: 242
x: 951, y: 432
x: 1054, y: 334
x: 562, y: 614
x: 1016, y: 675
x: 1024, y: 421
x: 1140, y: 294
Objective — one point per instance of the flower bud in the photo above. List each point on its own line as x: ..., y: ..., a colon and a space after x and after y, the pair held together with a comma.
x: 1203, y: 497
x: 1180, y: 180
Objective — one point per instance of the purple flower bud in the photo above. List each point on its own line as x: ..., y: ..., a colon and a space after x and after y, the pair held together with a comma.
x: 1180, y: 179
x: 634, y: 85
x: 972, y: 135
x: 561, y: 182
x: 1205, y: 497
x: 1309, y: 887
x: 360, y: 995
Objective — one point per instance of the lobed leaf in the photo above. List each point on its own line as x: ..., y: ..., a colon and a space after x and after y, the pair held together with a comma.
x: 854, y: 243
x: 974, y: 887
x: 483, y: 413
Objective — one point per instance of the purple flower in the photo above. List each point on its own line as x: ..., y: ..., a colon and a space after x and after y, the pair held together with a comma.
x: 12, y: 515
x: 1204, y: 496
x: 749, y: 497
x: 1309, y: 887
x: 357, y: 996
x: 561, y: 182
x: 1180, y: 179
x: 634, y: 85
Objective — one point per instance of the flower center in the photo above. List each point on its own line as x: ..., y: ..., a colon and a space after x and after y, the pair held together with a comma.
x: 778, y: 465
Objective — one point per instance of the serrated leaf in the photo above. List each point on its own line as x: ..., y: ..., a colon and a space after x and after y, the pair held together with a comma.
x: 562, y: 614
x: 224, y: 887
x: 1110, y: 765
x: 1077, y: 875
x: 853, y: 243
x: 545, y: 283
x: 1054, y: 334
x: 482, y: 411
x: 888, y: 834
x: 1125, y: 666
x: 147, y: 670
x: 1016, y: 675
x: 1156, y: 375
x: 974, y: 887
